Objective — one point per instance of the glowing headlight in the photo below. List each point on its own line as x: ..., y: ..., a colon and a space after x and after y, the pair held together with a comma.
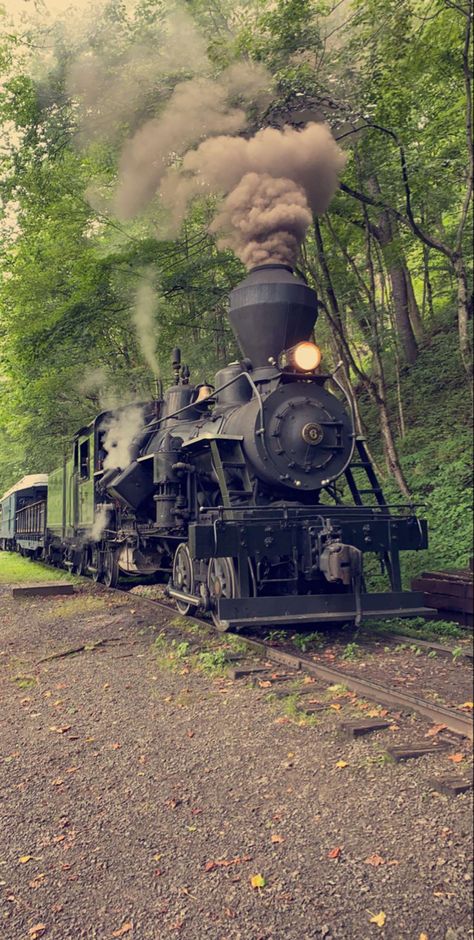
x: 304, y: 356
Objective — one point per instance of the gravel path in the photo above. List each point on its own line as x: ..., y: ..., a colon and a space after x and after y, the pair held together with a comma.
x: 137, y: 801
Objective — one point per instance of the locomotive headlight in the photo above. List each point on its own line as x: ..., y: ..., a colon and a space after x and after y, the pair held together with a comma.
x: 304, y: 356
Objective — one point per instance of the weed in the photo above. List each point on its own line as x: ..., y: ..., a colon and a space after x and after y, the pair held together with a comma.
x: 235, y: 644
x: 400, y: 647
x: 457, y: 653
x: 212, y: 662
x: 432, y: 654
x: 336, y: 689
x: 277, y: 636
x: 180, y: 649
x: 351, y: 652
x: 292, y: 709
x: 304, y: 641
x: 24, y: 682
x: 416, y: 649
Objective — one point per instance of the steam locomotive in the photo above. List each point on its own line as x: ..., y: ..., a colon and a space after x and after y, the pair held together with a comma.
x: 230, y: 490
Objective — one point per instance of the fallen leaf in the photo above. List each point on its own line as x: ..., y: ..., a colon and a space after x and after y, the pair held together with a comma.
x: 466, y: 705
x: 225, y: 862
x: 37, y: 931
x: 38, y: 881
x: 336, y: 706
x: 265, y: 684
x: 60, y: 730
x: 341, y: 763
x: 378, y: 919
x: 374, y: 860
x: 435, y: 730
x: 308, y: 680
x: 57, y: 783
x: 190, y: 733
x: 116, y: 746
x: 423, y: 936
x: 156, y: 858
x: 374, y: 713
x: 257, y: 881
x: 125, y: 928
x: 276, y: 839
x: 25, y: 858
x: 335, y: 853
x: 456, y: 758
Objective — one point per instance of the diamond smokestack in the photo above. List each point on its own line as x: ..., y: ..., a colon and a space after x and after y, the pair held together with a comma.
x: 270, y: 311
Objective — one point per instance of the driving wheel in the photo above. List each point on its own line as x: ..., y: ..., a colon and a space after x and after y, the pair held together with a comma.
x: 183, y: 578
x: 221, y: 582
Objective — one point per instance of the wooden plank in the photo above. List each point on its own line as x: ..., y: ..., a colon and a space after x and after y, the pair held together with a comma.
x: 462, y: 574
x: 445, y: 602
x: 410, y: 751
x: 451, y: 786
x: 356, y: 728
x: 46, y: 589
x: 244, y: 671
x: 453, y: 589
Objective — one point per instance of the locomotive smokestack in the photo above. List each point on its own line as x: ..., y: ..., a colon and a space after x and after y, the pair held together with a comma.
x: 271, y: 310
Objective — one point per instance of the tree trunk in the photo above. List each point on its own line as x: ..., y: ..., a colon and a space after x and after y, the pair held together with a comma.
x: 390, y: 450
x: 338, y: 333
x: 414, y: 310
x: 463, y: 314
x: 427, y: 287
x: 387, y: 235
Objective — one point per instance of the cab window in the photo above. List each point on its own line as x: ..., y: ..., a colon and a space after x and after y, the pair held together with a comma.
x: 84, y: 460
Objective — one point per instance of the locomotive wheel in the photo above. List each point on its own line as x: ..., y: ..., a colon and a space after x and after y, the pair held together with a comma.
x: 110, y: 571
x: 221, y: 582
x: 183, y: 578
x: 80, y: 568
x: 96, y: 563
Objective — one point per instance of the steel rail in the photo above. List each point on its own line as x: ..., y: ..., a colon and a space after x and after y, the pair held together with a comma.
x: 385, y: 695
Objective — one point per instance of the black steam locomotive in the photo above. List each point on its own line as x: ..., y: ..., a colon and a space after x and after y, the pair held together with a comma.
x: 232, y: 488
x: 230, y: 491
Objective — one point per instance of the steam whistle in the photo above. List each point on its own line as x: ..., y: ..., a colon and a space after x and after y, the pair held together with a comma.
x: 176, y: 362
x: 185, y: 374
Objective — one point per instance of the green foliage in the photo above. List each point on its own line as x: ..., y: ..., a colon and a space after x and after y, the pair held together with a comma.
x: 17, y: 570
x: 351, y: 652
x: 308, y: 641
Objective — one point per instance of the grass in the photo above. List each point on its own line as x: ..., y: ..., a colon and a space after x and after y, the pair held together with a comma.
x: 416, y: 627
x: 210, y: 660
x: 79, y: 604
x: 17, y: 570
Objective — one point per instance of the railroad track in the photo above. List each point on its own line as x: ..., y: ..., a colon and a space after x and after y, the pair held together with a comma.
x: 454, y: 721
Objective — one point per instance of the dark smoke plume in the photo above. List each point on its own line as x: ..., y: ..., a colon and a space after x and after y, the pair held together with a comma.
x: 273, y: 183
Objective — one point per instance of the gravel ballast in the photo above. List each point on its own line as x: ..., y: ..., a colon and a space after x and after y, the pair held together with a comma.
x: 140, y: 801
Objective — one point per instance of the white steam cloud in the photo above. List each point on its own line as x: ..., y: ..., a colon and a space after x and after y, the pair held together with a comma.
x: 143, y: 319
x: 121, y: 428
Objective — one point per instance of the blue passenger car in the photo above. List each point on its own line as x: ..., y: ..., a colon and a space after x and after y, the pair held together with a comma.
x: 23, y: 515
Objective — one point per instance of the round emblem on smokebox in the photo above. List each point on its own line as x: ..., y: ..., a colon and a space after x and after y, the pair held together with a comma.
x: 312, y: 433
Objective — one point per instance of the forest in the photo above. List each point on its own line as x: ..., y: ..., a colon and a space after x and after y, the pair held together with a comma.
x: 97, y: 285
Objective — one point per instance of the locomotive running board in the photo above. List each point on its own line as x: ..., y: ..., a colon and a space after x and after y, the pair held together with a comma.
x: 318, y: 608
